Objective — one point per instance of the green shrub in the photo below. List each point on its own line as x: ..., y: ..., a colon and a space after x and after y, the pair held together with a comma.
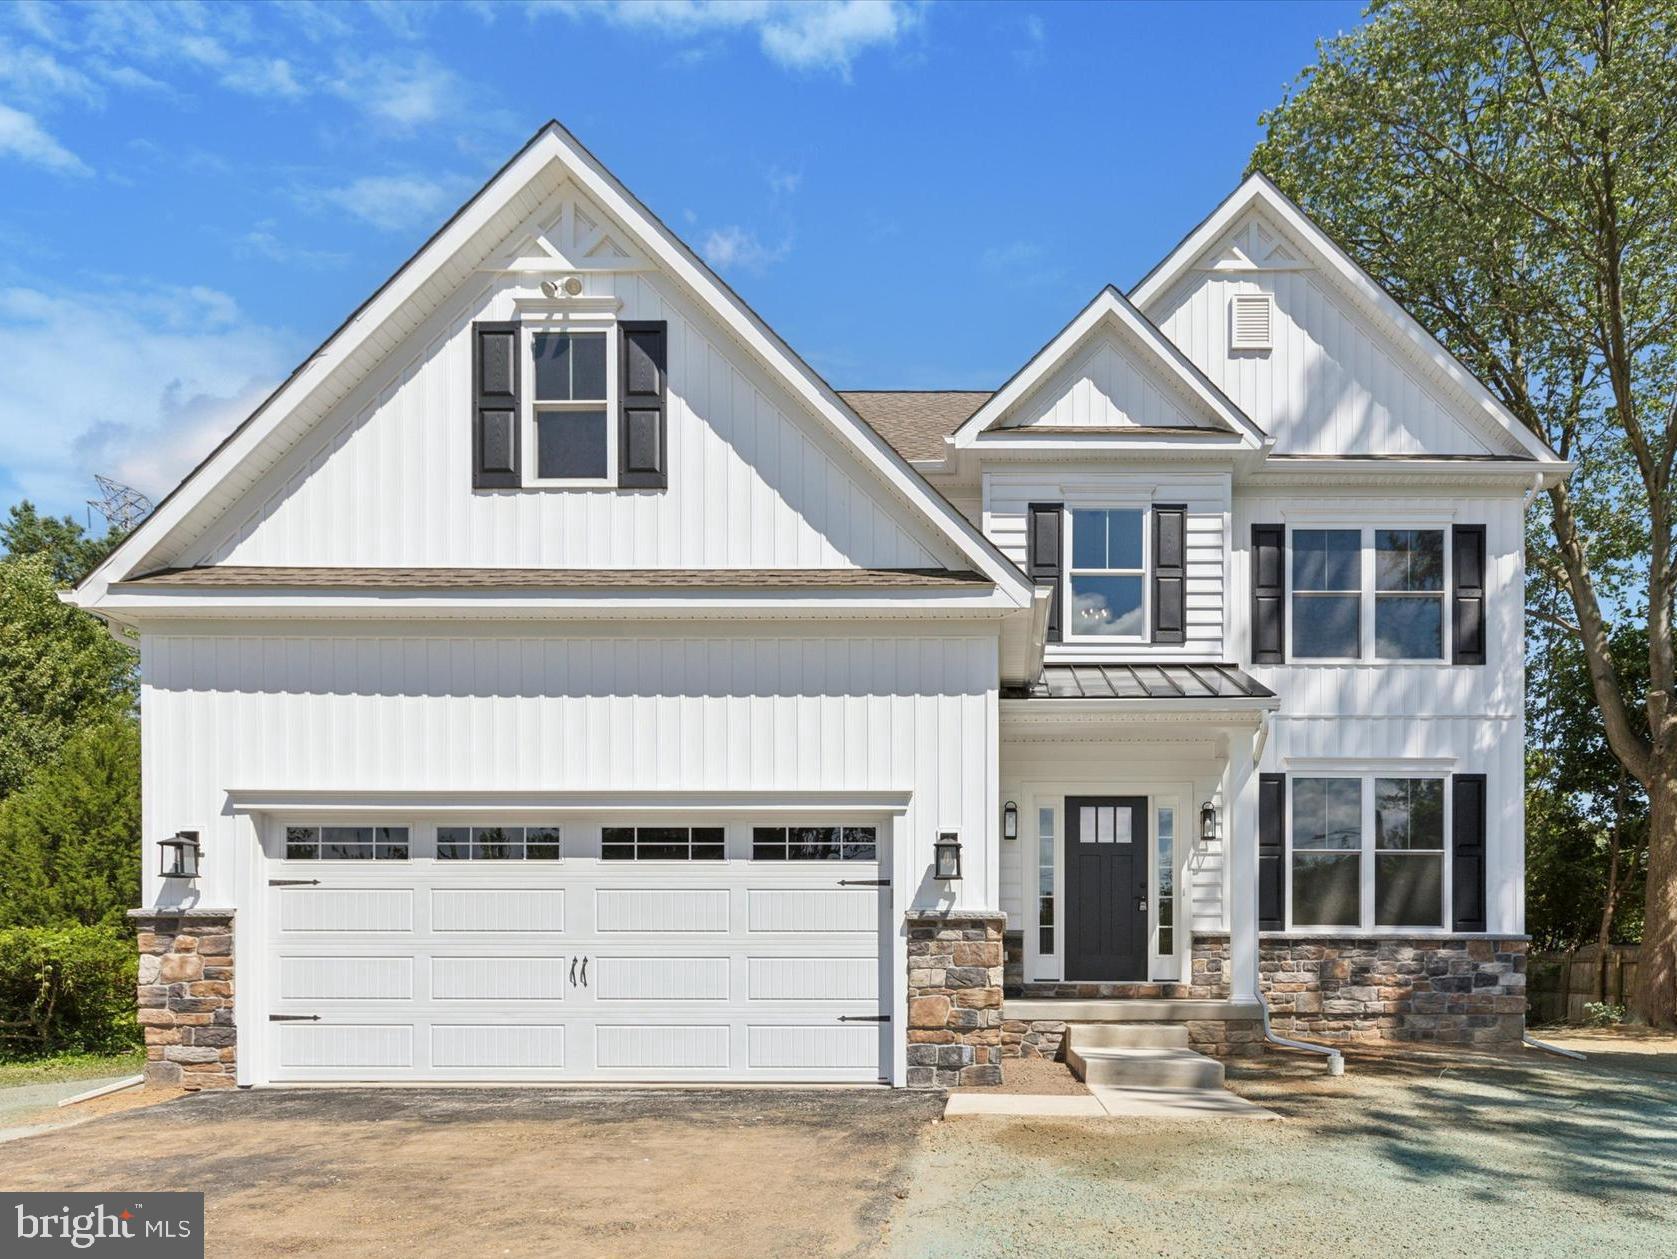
x: 1603, y: 1014
x: 67, y: 988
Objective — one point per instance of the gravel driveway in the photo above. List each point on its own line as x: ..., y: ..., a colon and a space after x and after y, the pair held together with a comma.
x: 1522, y: 1154
x: 506, y: 1172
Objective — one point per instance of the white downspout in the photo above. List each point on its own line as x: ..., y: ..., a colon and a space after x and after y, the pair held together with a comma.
x: 1336, y: 1060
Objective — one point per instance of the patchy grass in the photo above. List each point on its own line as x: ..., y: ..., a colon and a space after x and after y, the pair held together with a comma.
x: 57, y: 1068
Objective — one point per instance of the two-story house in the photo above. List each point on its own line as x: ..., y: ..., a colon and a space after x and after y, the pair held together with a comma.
x: 555, y: 679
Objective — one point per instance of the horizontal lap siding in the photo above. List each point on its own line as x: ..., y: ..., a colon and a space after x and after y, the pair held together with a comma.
x: 1009, y: 493
x: 437, y: 713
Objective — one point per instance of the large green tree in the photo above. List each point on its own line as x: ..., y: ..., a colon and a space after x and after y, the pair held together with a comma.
x: 1508, y: 169
x: 59, y: 670
x: 69, y: 549
x: 70, y: 838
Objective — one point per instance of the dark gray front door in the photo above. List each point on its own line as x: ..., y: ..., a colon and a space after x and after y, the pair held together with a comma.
x: 1106, y: 888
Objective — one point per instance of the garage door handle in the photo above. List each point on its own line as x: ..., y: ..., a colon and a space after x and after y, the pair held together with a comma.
x: 864, y: 882
x: 573, y: 972
x: 585, y: 972
x: 864, y: 1018
x: 293, y: 882
x: 294, y: 1018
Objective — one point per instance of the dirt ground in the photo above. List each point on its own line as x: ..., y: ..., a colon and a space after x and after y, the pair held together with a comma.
x: 506, y: 1172
x: 1406, y: 1154
x: 1036, y: 1076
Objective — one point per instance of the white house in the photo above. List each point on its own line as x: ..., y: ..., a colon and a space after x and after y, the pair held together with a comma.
x: 560, y: 681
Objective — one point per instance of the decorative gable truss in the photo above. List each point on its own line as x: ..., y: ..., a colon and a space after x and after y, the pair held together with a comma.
x: 566, y: 236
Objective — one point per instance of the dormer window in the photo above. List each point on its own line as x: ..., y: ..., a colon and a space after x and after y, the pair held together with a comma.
x: 1250, y: 320
x: 571, y: 404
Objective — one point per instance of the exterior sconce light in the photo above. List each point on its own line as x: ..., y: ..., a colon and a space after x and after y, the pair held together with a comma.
x: 946, y: 865
x: 180, y: 855
x: 1010, y: 820
x: 1208, y: 822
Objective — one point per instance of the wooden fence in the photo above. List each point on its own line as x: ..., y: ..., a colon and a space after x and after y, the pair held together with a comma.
x: 1560, y: 985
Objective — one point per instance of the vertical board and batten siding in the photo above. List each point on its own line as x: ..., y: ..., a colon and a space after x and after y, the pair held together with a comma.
x: 1008, y: 494
x: 1333, y: 383
x: 754, y: 480
x: 1105, y: 386
x: 434, y: 710
x: 1470, y: 715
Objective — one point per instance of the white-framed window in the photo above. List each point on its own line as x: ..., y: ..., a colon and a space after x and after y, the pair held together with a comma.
x: 1367, y: 850
x: 1367, y: 593
x: 498, y: 843
x: 347, y: 843
x: 1045, y: 881
x: 570, y: 438
x: 1106, y: 580
x: 661, y: 843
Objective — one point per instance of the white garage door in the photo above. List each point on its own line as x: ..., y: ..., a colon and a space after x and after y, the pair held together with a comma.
x: 606, y: 952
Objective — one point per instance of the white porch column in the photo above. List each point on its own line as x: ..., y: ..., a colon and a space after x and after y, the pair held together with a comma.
x: 1241, y: 839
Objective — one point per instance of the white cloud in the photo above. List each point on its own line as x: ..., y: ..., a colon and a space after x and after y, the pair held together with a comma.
x: 390, y: 202
x: 402, y: 92
x: 798, y: 34
x: 260, y: 242
x: 738, y: 249
x: 34, y: 76
x: 169, y: 373
x: 24, y: 138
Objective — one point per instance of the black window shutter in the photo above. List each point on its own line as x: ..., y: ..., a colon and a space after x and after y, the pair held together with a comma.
x: 1170, y: 563
x: 495, y: 406
x: 1269, y: 596
x: 1272, y: 852
x: 1467, y: 594
x: 643, y: 431
x: 1044, y: 550
x: 1467, y: 852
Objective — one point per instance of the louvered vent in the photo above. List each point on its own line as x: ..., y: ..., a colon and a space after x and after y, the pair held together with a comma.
x: 1249, y: 315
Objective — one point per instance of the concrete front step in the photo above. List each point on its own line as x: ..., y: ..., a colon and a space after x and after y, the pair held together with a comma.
x: 1168, y: 1068
x: 1124, y: 1010
x: 1129, y: 1035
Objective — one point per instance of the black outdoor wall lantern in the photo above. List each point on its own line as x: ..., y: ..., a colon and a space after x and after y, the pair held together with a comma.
x: 1208, y: 822
x: 947, y: 857
x: 180, y: 855
x: 1010, y: 820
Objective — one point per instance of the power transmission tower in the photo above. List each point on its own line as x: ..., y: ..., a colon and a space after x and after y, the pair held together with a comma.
x: 121, y: 505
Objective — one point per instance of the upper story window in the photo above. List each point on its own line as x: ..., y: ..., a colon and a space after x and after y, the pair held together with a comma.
x: 1107, y: 576
x: 1368, y: 594
x: 569, y: 429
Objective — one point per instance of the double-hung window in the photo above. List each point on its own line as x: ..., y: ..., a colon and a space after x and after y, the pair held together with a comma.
x: 570, y: 432
x: 1108, y: 574
x: 1368, y: 594
x: 1367, y: 851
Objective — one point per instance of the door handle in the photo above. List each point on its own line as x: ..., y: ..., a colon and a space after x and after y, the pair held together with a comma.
x: 585, y: 972
x: 573, y: 972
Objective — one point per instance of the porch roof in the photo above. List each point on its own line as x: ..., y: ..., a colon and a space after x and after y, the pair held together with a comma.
x: 1142, y: 681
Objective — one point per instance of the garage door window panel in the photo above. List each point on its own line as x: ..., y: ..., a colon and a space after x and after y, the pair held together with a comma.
x: 814, y: 843
x: 498, y: 843
x: 661, y: 843
x: 346, y: 843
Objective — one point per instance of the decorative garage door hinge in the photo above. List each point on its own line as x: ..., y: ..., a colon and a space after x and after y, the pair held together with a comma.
x: 294, y: 1018
x: 293, y: 882
x: 864, y: 883
x: 864, y: 1018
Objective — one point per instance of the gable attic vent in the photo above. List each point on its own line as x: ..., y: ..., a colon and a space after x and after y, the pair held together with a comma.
x: 1249, y: 319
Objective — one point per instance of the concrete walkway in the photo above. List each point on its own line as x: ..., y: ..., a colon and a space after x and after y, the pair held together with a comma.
x: 1105, y: 1101
x: 32, y: 1101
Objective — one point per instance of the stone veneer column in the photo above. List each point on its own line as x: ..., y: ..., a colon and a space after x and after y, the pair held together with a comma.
x: 186, y: 997
x: 954, y: 997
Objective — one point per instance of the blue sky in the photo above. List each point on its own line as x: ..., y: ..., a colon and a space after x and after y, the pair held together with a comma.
x: 915, y: 195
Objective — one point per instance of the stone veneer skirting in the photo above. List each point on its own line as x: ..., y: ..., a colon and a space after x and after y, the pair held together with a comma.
x: 954, y: 997
x: 1446, y: 990
x: 186, y: 997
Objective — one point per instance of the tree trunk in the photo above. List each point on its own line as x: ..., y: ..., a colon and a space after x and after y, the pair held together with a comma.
x: 1609, y: 902
x: 1655, y: 1002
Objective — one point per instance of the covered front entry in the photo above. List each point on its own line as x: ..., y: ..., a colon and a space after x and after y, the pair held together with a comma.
x: 1106, y: 863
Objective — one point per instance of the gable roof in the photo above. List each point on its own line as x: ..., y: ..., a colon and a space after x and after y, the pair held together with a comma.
x: 1258, y: 191
x: 1111, y: 306
x: 436, y: 271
